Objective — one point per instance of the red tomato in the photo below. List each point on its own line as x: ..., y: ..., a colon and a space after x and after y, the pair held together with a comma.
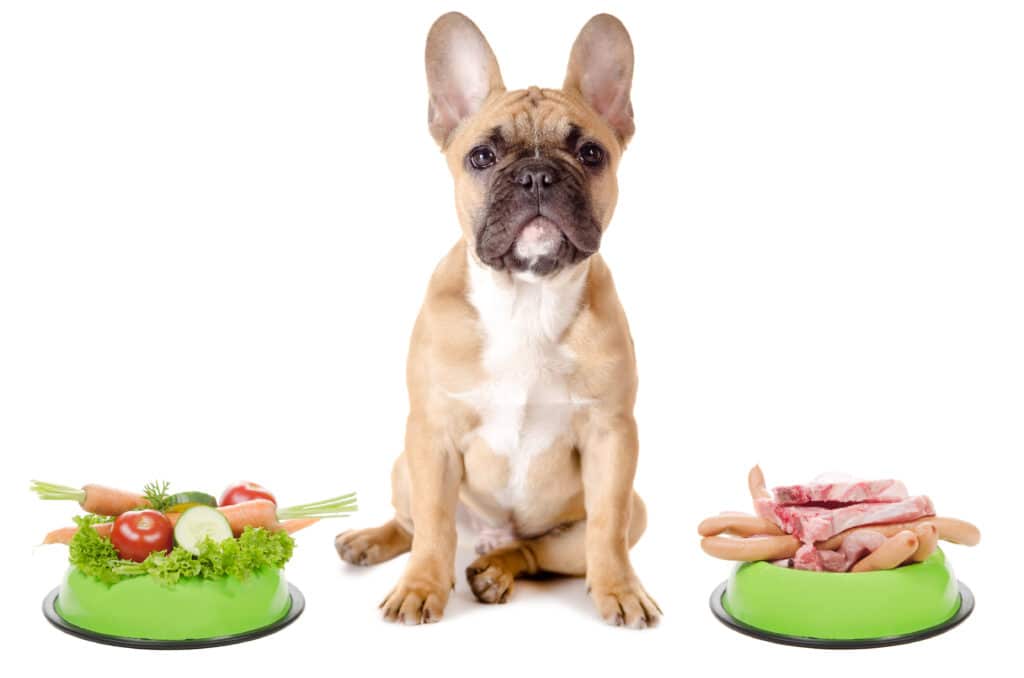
x: 136, y: 534
x: 236, y: 494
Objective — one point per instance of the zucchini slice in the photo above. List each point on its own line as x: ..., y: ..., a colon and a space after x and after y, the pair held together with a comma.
x: 198, y: 523
x: 181, y: 502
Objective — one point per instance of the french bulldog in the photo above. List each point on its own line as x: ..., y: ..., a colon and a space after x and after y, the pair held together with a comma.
x: 521, y: 371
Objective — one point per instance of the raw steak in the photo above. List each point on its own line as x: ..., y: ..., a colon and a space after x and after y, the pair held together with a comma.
x: 856, y: 546
x: 846, y: 491
x: 814, y: 523
x: 809, y: 558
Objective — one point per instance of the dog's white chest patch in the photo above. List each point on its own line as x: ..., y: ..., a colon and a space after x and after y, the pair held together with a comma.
x: 525, y: 403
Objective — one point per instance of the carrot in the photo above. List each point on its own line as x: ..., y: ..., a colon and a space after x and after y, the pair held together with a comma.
x: 296, y: 524
x: 63, y: 535
x: 98, y: 499
x: 252, y: 513
x: 264, y: 513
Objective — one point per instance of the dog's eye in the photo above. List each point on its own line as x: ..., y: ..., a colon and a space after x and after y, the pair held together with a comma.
x: 481, y: 157
x: 591, y: 154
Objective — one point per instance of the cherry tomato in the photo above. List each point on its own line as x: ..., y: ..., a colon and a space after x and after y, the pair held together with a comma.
x: 136, y: 534
x: 236, y: 494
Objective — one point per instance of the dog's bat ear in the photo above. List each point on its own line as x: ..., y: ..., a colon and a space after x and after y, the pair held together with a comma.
x: 461, y: 73
x: 601, y: 71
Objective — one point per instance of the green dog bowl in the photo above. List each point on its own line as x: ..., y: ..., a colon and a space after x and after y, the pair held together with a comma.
x: 842, y: 609
x: 143, y: 613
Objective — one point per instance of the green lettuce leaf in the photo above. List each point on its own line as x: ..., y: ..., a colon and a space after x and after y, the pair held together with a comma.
x: 92, y: 519
x: 254, y: 550
x: 92, y: 554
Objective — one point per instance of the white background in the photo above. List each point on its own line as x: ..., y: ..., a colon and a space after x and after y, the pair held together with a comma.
x: 218, y: 220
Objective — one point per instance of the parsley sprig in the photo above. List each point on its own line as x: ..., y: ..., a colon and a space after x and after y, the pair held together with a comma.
x: 156, y: 494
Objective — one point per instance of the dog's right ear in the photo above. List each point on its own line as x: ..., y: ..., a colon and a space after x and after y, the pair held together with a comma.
x: 461, y: 73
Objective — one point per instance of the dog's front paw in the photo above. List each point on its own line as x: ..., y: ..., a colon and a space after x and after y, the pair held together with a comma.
x: 373, y: 545
x: 625, y: 603
x: 418, y: 598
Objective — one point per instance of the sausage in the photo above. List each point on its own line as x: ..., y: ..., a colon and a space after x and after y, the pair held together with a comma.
x: 957, y: 531
x: 859, y: 544
x: 755, y: 481
x: 751, y: 549
x: 950, y: 529
x: 927, y: 541
x: 892, y: 553
x: 739, y: 524
x: 887, y: 530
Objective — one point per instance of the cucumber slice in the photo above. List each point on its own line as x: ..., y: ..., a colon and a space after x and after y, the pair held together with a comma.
x: 181, y: 502
x: 198, y: 523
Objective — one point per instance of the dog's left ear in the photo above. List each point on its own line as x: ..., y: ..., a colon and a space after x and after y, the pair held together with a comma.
x: 601, y: 71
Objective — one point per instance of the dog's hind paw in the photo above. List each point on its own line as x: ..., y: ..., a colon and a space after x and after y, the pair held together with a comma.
x: 490, y: 578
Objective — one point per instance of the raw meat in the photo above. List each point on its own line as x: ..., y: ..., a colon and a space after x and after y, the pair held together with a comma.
x: 857, y: 545
x: 833, y: 561
x: 822, y: 491
x: 813, y: 523
x: 807, y: 558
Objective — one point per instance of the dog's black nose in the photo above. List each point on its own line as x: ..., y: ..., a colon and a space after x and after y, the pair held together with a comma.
x: 535, y: 177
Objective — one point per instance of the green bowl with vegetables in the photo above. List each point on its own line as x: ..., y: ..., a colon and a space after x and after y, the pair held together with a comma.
x: 210, y: 585
x: 168, y: 571
x: 843, y: 609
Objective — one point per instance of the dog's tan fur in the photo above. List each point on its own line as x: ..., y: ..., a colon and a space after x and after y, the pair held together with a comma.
x: 578, y: 514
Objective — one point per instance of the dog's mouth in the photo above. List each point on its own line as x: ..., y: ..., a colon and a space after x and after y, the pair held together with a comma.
x: 536, y: 242
x: 540, y: 237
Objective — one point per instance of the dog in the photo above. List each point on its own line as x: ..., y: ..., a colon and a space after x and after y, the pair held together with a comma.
x: 521, y: 370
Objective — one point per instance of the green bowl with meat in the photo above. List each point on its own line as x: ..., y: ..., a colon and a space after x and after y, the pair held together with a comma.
x: 843, y: 609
